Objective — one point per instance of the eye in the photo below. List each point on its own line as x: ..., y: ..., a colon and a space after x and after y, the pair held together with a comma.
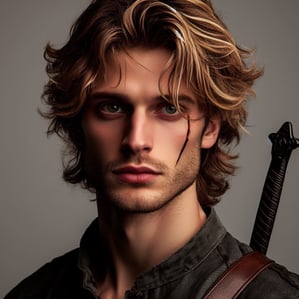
x: 169, y: 109
x: 111, y: 108
x: 168, y: 112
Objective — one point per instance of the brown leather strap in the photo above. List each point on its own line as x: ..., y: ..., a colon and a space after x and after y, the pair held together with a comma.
x: 233, y: 281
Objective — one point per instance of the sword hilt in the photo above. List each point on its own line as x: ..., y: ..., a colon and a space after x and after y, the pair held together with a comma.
x: 283, y: 143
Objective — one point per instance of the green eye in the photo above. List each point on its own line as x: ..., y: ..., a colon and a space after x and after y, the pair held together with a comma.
x: 113, y: 108
x: 110, y: 110
x: 170, y: 109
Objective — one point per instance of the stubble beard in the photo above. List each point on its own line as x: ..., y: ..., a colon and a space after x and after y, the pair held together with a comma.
x: 146, y: 198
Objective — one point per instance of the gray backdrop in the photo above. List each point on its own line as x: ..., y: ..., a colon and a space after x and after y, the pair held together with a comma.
x: 42, y: 217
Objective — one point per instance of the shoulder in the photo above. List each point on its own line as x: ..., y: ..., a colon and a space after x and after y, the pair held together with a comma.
x: 274, y: 282
x: 39, y: 284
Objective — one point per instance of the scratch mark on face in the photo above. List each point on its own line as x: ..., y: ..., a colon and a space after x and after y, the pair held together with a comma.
x: 185, y: 143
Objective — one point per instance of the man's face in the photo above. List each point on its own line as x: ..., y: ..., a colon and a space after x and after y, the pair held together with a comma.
x: 134, y: 138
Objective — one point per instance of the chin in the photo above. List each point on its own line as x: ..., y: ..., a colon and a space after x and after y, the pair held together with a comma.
x: 132, y: 203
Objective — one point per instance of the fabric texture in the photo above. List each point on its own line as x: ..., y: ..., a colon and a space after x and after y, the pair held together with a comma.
x: 188, y: 273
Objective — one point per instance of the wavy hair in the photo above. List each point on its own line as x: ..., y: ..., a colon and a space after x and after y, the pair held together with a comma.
x: 204, y: 56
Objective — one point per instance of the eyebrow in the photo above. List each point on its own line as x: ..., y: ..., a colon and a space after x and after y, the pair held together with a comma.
x: 123, y: 97
x: 182, y: 98
x: 109, y: 95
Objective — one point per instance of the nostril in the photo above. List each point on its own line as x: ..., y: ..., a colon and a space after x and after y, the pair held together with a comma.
x: 130, y: 148
x: 126, y: 150
x: 138, y: 134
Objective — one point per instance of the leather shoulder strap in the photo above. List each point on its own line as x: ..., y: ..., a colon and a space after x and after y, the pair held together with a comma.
x: 235, y: 279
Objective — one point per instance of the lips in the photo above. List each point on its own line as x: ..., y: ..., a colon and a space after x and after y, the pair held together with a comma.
x: 133, y: 169
x: 136, y: 175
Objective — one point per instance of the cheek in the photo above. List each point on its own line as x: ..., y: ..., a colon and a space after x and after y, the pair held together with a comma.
x: 101, y: 137
x: 175, y: 138
x: 171, y: 138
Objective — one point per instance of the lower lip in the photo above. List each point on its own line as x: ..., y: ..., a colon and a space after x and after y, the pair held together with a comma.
x: 137, y: 178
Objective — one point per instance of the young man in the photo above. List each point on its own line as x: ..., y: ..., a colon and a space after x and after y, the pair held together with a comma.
x: 148, y: 96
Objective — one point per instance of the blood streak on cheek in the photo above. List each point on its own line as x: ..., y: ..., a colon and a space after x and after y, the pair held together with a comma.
x: 185, y: 142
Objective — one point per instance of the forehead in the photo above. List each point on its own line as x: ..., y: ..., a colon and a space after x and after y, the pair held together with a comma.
x: 153, y: 60
x: 139, y: 68
x: 136, y: 62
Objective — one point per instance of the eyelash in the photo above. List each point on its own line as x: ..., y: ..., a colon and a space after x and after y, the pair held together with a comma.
x: 110, y: 105
x: 102, y: 110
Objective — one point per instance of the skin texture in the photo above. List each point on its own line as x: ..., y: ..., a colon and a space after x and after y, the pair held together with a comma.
x: 127, y: 123
x: 143, y: 169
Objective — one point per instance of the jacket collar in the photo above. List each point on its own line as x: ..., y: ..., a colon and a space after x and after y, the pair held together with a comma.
x: 93, y: 255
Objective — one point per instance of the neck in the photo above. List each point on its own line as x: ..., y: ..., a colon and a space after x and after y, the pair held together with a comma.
x: 139, y: 241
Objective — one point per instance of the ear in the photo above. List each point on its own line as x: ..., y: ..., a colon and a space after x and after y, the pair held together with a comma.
x: 211, y: 133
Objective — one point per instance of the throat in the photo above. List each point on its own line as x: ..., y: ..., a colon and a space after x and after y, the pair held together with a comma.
x: 139, y: 241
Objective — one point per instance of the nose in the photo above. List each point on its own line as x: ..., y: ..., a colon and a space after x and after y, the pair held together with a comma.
x: 138, y: 133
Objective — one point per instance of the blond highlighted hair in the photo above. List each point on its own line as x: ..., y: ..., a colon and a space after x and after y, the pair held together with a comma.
x: 203, y: 55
